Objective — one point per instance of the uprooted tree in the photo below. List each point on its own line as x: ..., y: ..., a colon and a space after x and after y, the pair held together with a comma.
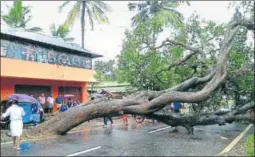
x: 151, y: 103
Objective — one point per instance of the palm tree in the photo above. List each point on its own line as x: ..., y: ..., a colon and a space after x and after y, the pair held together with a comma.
x: 163, y: 10
x: 96, y: 10
x: 61, y: 32
x: 19, y: 16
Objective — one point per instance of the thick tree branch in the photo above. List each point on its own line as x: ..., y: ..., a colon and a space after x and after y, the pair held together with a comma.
x: 168, y: 42
x: 249, y: 23
x: 182, y: 61
x: 195, y: 81
x: 219, y: 117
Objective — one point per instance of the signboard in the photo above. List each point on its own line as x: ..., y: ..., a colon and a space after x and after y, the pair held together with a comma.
x: 39, y: 54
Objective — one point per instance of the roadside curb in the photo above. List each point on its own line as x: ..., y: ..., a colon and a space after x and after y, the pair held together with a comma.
x: 233, y: 143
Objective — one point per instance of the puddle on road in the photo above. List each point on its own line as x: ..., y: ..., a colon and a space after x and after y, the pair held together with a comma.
x: 25, y: 146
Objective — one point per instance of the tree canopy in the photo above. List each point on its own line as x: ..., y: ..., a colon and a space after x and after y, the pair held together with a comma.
x: 105, y: 70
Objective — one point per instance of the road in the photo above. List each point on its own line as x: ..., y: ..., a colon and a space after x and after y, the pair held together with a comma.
x: 135, y: 140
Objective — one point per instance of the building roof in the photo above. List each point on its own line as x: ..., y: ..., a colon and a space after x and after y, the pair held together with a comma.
x: 55, y: 42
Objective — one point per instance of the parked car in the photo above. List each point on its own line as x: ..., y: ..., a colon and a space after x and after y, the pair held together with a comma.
x: 25, y: 102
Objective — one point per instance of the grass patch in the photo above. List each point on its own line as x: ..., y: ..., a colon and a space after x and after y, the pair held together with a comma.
x: 249, y: 145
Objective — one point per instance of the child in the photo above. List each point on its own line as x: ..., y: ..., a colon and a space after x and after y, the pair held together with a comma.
x: 125, y: 119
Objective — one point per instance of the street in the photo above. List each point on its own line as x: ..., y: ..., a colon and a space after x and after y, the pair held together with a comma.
x: 145, y: 139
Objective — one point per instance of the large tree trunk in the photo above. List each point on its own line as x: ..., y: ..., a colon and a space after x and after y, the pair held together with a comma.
x: 150, y: 102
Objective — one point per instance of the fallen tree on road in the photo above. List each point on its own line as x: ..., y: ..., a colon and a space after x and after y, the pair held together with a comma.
x: 150, y: 102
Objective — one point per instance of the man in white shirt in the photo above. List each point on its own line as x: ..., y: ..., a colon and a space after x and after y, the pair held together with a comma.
x: 15, y: 112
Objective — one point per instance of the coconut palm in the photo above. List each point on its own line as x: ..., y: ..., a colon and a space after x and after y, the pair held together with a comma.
x: 96, y: 10
x: 18, y: 16
x: 160, y: 10
x: 61, y: 31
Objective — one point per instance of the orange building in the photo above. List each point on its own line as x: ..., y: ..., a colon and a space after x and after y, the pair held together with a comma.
x: 33, y: 63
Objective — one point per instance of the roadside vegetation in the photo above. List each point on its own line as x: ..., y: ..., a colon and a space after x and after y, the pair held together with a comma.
x: 249, y: 145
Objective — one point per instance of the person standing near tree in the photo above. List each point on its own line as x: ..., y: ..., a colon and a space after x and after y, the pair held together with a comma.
x: 15, y: 112
x: 59, y: 102
x: 35, y: 116
x: 50, y: 103
x: 106, y: 118
x: 42, y: 101
x: 124, y: 116
x: 69, y: 103
x: 177, y: 107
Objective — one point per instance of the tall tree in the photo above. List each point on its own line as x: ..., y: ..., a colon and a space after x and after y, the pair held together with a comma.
x: 96, y: 10
x: 19, y: 16
x: 163, y: 11
x: 138, y: 64
x: 105, y: 70
x: 60, y: 31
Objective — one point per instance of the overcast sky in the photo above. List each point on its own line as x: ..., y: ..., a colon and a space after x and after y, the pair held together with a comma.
x: 107, y: 39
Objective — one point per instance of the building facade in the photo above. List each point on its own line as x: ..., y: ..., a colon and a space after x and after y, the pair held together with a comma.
x: 33, y: 63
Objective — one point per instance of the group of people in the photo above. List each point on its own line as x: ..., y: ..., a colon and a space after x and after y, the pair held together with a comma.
x: 16, y: 114
x: 62, y: 105
x: 65, y: 105
x: 47, y: 103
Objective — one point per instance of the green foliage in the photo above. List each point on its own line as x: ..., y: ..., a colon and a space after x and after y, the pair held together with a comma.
x: 19, y: 16
x: 105, y: 70
x: 160, y: 13
x: 249, y: 145
x: 138, y: 65
x: 242, y: 56
x: 96, y: 11
x: 61, y: 32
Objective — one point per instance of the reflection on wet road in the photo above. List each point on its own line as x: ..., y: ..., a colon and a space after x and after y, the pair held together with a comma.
x: 136, y: 139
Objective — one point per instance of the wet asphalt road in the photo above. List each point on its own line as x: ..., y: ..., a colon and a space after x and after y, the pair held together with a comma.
x: 134, y: 140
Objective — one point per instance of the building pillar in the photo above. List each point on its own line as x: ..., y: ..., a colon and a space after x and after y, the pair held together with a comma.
x: 84, y: 93
x: 54, y: 91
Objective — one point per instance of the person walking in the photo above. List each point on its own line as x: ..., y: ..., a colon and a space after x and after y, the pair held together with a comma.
x: 69, y: 103
x: 50, y: 103
x: 106, y: 118
x: 177, y: 107
x: 125, y: 119
x: 76, y: 103
x: 15, y: 112
x: 124, y: 116
x: 35, y: 114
